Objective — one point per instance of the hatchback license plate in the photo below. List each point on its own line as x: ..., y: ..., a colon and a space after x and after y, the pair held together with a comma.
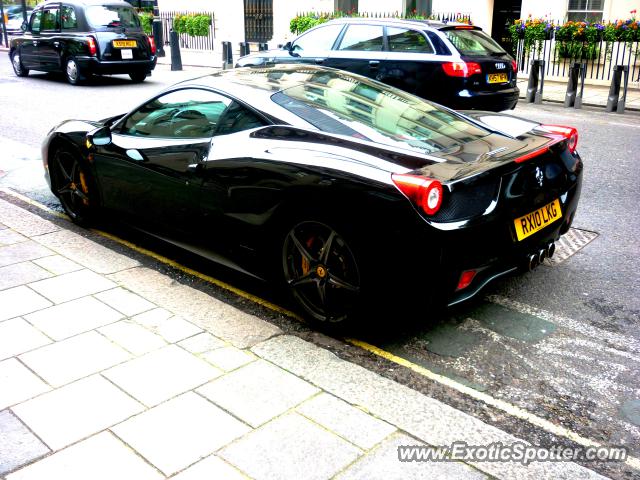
x: 537, y: 220
x: 126, y: 54
x: 125, y: 44
x: 497, y: 78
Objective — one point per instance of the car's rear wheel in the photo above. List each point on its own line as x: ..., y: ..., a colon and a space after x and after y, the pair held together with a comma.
x: 73, y: 186
x: 19, y: 70
x: 138, y: 77
x: 321, y: 271
x: 72, y: 71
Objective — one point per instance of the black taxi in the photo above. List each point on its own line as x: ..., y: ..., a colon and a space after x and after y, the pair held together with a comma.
x: 81, y: 38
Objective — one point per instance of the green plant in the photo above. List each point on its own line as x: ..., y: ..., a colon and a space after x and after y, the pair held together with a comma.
x: 180, y: 23
x: 533, y: 32
x: 193, y: 24
x: 146, y: 20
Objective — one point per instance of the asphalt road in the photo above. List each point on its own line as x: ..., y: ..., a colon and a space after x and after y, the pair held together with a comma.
x: 562, y: 343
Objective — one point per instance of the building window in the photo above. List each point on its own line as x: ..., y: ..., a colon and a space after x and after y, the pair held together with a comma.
x: 585, y: 10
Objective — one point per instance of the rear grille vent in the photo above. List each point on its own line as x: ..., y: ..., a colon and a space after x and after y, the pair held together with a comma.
x: 467, y: 201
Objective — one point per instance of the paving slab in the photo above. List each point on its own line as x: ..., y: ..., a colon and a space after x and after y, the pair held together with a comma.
x: 180, y: 432
x: 219, y: 318
x: 125, y: 301
x: 18, y: 383
x: 169, y: 326
x: 290, y: 448
x: 161, y: 374
x: 75, y: 411
x: 18, y: 336
x: 77, y: 316
x: 101, y: 457
x: 383, y: 464
x: 71, y: 285
x: 133, y: 337
x: 21, y: 273
x: 229, y: 358
x: 258, y: 392
x: 9, y: 237
x: 18, y: 445
x: 345, y: 420
x: 425, y: 418
x: 57, y: 264
x: 74, y: 358
x: 201, y: 343
x: 24, y: 222
x: 22, y: 252
x: 212, y: 467
x: 19, y: 301
x: 86, y: 252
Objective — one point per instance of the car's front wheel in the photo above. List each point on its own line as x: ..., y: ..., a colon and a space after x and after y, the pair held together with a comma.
x: 321, y: 271
x: 138, y: 77
x: 73, y: 185
x: 18, y: 68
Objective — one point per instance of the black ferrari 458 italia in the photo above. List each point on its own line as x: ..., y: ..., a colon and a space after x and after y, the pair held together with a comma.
x: 343, y: 189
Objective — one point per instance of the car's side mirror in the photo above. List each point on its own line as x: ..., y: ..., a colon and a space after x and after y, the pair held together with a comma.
x: 287, y: 46
x: 99, y: 137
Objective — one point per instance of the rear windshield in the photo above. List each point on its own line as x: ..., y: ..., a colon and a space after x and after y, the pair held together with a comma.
x: 107, y: 16
x: 473, y: 42
x: 370, y: 111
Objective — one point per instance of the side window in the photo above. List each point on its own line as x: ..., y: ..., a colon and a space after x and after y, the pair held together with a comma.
x: 189, y: 113
x: 50, y: 19
x: 362, y: 38
x: 322, y: 38
x: 36, y: 21
x: 69, y: 20
x: 403, y: 40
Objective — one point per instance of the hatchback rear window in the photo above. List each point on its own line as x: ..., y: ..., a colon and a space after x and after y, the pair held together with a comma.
x: 473, y: 42
x: 107, y: 16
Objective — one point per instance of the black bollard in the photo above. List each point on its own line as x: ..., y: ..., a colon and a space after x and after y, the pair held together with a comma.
x: 227, y: 55
x: 157, y: 36
x: 536, y: 76
x: 572, y: 85
x: 176, y: 59
x: 583, y: 76
x: 614, y: 89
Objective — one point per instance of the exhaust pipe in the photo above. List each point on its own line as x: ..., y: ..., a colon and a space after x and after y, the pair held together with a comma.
x: 542, y: 255
x: 551, y: 249
x: 533, y: 262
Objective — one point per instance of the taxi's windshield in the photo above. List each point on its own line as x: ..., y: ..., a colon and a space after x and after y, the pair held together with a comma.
x: 107, y: 16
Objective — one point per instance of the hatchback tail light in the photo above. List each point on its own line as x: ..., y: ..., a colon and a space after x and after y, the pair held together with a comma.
x: 514, y: 65
x: 424, y: 192
x: 152, y: 45
x: 93, y: 48
x: 461, y: 69
x: 570, y: 133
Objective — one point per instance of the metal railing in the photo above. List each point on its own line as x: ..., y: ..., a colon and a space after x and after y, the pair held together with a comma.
x: 186, y: 40
x: 439, y: 17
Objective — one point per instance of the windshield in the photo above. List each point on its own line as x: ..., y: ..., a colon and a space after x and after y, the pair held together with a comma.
x: 112, y: 16
x: 345, y: 105
x: 473, y: 42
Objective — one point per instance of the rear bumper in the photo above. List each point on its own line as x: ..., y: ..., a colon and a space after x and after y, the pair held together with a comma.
x: 495, y: 101
x: 99, y: 67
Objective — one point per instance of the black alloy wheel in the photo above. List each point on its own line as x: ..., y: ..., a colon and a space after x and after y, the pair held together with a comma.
x: 18, y: 68
x: 72, y: 186
x: 321, y: 271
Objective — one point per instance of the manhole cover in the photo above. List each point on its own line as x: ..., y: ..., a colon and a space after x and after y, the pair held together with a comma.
x: 570, y: 243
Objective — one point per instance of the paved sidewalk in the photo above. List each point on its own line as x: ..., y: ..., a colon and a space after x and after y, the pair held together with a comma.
x: 111, y: 370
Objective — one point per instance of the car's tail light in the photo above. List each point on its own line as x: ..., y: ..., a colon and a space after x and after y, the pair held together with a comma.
x: 465, y: 279
x: 514, y: 65
x: 93, y: 48
x: 461, y: 69
x: 152, y: 44
x: 424, y: 192
x: 570, y: 133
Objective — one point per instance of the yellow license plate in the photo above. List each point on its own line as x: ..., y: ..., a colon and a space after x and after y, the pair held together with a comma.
x: 536, y: 221
x: 497, y: 78
x: 125, y: 43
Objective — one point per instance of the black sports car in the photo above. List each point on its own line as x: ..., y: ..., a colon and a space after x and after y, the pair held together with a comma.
x: 341, y: 187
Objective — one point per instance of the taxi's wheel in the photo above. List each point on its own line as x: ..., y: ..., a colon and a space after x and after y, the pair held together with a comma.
x: 138, y: 77
x: 72, y: 71
x: 321, y: 272
x: 73, y: 186
x: 19, y: 70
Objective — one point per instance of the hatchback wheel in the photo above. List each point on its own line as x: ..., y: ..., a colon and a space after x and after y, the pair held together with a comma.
x: 321, y: 271
x: 73, y: 186
x: 19, y: 70
x: 138, y: 77
x: 72, y: 71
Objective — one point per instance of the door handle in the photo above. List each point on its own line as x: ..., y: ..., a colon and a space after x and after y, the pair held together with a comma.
x: 134, y: 154
x: 35, y: 43
x: 374, y: 63
x: 56, y: 44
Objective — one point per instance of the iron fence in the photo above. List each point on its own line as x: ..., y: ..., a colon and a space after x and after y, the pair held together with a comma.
x: 186, y: 40
x: 439, y: 17
x: 600, y: 58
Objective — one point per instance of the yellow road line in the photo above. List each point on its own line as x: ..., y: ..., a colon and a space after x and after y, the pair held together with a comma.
x: 488, y: 399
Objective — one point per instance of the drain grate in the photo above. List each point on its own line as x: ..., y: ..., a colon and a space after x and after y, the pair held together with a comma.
x: 569, y: 244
